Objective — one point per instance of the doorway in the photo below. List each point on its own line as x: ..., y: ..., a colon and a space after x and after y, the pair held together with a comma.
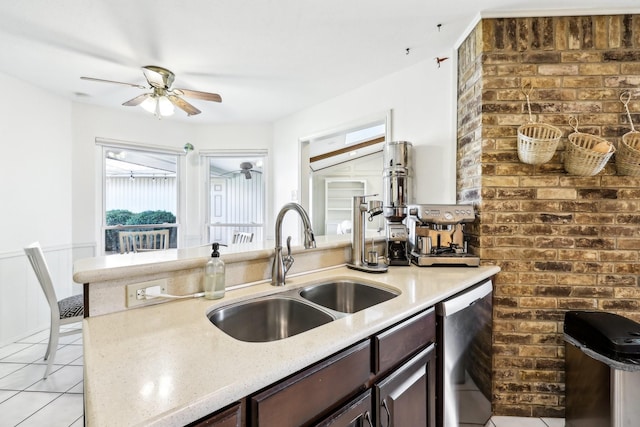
x: 236, y: 201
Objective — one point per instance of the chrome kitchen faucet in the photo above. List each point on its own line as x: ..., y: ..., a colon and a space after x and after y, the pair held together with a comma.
x: 280, y: 265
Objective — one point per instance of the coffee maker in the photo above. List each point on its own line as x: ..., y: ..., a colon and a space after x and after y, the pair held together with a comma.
x: 397, y: 180
x: 436, y: 235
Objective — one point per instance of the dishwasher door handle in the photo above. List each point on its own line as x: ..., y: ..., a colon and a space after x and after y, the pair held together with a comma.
x: 464, y: 300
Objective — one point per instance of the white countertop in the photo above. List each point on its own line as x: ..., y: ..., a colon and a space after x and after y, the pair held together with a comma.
x: 116, y: 266
x: 168, y: 365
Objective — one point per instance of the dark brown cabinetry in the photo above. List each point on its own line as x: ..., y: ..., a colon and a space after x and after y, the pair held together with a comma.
x: 229, y: 417
x: 403, y: 380
x: 356, y: 413
x: 406, y: 398
x: 395, y: 344
x: 307, y: 395
x: 387, y: 380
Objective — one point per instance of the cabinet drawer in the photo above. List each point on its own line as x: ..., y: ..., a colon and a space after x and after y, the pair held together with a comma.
x: 230, y: 417
x: 401, y: 341
x: 310, y: 393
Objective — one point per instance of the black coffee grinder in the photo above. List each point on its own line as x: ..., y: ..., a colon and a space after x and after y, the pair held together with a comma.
x: 397, y: 180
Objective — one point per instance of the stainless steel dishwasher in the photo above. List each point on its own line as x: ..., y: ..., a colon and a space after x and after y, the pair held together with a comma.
x: 464, y: 357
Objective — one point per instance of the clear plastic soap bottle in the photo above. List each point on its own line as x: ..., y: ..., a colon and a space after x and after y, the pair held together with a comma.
x: 214, y: 275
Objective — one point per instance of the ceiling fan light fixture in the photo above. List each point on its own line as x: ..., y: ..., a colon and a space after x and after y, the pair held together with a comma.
x: 161, y: 106
x: 164, y: 98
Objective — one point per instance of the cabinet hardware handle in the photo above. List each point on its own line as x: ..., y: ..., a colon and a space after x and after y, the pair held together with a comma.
x: 367, y: 417
x: 384, y: 405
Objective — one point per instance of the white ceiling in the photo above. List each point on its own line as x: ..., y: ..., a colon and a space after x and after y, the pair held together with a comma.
x: 267, y: 58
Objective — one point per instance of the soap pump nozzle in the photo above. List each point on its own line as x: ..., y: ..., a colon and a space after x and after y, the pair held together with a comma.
x: 215, y: 246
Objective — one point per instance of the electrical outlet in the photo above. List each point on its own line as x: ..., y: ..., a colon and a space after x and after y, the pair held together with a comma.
x: 136, y: 292
x: 151, y: 290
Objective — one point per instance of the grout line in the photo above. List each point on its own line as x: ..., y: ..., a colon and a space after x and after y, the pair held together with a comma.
x: 28, y: 343
x: 42, y: 407
x: 75, y: 421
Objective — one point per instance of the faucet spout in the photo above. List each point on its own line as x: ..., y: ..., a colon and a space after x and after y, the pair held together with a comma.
x: 280, y: 268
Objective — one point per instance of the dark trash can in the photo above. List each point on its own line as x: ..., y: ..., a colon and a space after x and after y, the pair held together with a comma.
x: 602, y: 370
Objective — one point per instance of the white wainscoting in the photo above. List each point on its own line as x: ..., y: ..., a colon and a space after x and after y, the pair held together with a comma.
x: 23, y: 307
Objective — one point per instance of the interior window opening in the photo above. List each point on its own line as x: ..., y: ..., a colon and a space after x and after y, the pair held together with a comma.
x: 140, y: 197
x: 343, y: 163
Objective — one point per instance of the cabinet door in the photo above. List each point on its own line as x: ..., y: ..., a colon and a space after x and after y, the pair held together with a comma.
x: 406, y: 398
x: 356, y: 413
x: 230, y: 417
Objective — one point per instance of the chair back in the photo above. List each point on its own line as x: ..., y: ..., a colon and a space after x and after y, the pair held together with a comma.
x: 125, y: 242
x: 242, y: 237
x: 141, y: 241
x: 40, y: 268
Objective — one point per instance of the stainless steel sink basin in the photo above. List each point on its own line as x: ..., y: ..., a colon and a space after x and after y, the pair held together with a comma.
x: 346, y: 296
x: 292, y: 312
x: 268, y: 319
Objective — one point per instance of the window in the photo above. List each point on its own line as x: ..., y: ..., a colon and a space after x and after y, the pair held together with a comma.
x: 236, y: 195
x: 140, y: 193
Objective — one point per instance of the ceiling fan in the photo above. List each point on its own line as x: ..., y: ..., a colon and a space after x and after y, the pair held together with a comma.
x: 163, y: 97
x: 246, y: 169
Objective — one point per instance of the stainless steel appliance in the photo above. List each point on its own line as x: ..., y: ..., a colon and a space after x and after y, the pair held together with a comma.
x: 436, y: 235
x: 464, y: 357
x: 397, y: 180
x: 361, y: 208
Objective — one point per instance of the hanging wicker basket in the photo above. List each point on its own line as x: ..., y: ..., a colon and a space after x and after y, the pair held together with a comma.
x: 586, y: 154
x: 628, y: 157
x: 537, y: 142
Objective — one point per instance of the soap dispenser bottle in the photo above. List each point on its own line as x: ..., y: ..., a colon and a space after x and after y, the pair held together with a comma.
x: 214, y: 275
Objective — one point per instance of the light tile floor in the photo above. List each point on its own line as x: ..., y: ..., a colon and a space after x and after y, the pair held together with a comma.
x: 28, y: 400
x: 499, y: 421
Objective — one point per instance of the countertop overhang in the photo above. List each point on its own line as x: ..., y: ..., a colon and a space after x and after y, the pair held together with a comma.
x: 167, y: 364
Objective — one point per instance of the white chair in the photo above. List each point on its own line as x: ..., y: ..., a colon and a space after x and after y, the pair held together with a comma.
x: 242, y: 237
x: 63, y: 312
x: 142, y: 241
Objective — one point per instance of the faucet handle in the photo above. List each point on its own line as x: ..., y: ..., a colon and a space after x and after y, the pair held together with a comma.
x: 287, y: 260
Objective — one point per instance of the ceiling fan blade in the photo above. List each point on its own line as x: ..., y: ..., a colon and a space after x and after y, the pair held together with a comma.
x: 183, y: 105
x: 196, y: 94
x: 93, y: 79
x: 137, y: 100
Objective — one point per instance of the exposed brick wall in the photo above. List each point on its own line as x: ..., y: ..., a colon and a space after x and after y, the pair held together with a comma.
x: 563, y: 242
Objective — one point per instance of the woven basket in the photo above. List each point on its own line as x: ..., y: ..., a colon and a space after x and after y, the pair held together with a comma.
x: 628, y: 157
x: 580, y: 157
x: 537, y: 142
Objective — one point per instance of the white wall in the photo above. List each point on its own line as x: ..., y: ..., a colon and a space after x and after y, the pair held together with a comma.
x: 51, y: 181
x: 35, y: 189
x: 422, y: 101
x: 51, y: 176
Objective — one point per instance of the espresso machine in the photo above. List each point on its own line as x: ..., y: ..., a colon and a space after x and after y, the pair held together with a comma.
x: 436, y: 235
x: 397, y: 180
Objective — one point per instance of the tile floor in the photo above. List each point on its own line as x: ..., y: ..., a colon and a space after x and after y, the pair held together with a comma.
x: 28, y: 400
x: 497, y: 421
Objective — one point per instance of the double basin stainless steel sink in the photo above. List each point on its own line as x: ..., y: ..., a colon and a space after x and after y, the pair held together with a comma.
x: 289, y: 313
